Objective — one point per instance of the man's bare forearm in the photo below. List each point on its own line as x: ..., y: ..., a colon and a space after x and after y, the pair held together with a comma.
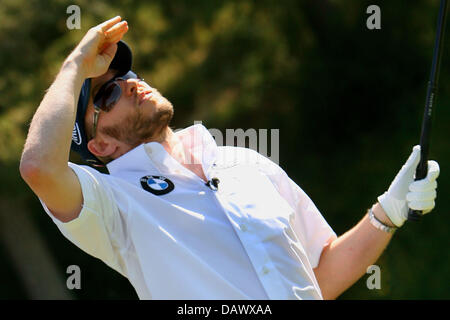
x: 49, y: 137
x: 346, y: 259
x: 48, y: 143
x: 46, y: 153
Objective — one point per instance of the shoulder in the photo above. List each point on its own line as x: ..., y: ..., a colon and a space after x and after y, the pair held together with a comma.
x: 238, y: 156
x: 91, y: 180
x: 86, y: 172
x: 81, y: 169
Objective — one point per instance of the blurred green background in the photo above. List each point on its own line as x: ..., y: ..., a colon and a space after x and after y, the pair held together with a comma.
x: 348, y: 102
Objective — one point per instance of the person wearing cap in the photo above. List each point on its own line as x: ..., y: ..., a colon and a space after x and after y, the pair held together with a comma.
x: 177, y: 215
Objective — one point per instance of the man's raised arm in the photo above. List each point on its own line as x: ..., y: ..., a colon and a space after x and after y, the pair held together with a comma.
x: 346, y: 259
x: 44, y: 159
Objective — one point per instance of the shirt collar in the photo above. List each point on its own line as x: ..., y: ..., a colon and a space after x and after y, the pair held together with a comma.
x: 196, y: 140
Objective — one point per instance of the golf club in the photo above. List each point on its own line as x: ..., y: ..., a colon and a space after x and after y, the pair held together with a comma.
x: 422, y: 168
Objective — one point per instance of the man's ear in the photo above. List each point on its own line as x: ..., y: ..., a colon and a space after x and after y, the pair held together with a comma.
x: 100, y: 147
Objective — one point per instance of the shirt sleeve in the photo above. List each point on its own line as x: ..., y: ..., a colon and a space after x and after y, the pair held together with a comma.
x: 98, y: 228
x: 309, y: 225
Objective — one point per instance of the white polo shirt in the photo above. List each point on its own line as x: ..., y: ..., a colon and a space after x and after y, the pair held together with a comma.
x: 258, y: 236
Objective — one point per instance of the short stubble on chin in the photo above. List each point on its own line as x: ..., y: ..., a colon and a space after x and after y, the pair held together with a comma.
x: 138, y: 128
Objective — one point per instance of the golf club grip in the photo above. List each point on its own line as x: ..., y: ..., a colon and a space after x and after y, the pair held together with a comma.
x: 422, y: 167
x: 421, y: 172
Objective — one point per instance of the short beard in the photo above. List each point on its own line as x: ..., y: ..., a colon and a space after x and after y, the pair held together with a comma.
x: 136, y: 129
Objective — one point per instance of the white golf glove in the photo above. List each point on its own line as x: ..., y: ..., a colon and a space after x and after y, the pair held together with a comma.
x: 405, y: 193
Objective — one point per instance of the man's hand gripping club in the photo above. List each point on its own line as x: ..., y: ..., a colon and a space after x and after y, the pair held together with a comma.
x: 405, y: 193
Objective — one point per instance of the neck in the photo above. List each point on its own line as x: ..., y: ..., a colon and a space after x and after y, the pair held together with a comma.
x: 173, y: 145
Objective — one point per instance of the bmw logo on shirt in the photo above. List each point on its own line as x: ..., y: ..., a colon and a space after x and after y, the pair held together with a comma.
x: 157, y: 185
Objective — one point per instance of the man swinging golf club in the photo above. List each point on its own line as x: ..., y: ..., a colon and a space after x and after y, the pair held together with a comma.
x: 177, y: 215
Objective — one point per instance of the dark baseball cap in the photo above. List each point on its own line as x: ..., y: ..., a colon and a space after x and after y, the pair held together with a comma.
x: 122, y: 63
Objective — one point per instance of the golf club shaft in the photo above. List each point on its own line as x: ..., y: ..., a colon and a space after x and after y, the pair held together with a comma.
x: 422, y: 168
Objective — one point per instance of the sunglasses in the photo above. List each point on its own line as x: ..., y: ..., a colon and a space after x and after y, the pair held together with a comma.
x: 108, y: 95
